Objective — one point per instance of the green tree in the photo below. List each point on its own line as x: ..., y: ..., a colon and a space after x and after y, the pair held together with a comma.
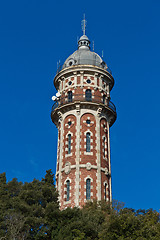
x: 131, y: 224
x: 24, y: 208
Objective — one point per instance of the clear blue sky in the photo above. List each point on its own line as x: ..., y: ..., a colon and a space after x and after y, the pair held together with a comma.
x: 34, y: 35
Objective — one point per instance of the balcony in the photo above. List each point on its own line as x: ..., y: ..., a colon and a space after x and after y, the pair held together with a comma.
x: 84, y: 98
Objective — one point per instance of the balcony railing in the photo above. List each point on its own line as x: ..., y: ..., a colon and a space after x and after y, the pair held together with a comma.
x: 82, y: 98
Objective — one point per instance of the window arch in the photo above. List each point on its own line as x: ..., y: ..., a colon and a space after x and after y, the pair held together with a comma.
x: 69, y: 96
x: 88, y: 189
x: 88, y: 142
x: 68, y: 189
x: 88, y: 95
x: 69, y: 143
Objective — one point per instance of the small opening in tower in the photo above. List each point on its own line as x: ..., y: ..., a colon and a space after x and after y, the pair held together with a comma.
x: 69, y: 123
x: 104, y: 99
x: 88, y: 95
x: 105, y: 191
x: 69, y: 143
x: 69, y: 83
x: 104, y: 147
x: 88, y: 81
x: 70, y: 63
x: 88, y: 189
x: 88, y: 142
x: 68, y: 190
x: 69, y: 96
x: 88, y: 121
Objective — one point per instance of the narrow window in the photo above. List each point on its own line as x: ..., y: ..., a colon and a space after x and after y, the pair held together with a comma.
x: 70, y: 96
x: 68, y: 189
x: 88, y: 95
x: 104, y: 146
x: 105, y: 191
x: 104, y: 99
x: 69, y: 143
x: 88, y: 142
x: 88, y: 189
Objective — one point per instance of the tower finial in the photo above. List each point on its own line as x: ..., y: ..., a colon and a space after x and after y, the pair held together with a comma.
x: 84, y: 23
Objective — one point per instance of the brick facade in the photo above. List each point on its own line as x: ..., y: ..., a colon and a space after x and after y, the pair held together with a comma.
x: 83, y: 155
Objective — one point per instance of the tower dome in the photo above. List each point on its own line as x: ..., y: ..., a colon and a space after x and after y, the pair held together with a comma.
x: 84, y: 56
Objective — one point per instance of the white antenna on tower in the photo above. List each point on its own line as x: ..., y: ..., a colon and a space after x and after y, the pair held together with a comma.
x: 57, y: 65
x: 84, y: 23
x: 102, y: 53
x: 93, y: 46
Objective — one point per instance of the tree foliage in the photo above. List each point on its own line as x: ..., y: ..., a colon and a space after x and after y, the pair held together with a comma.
x: 24, y: 207
x: 31, y: 211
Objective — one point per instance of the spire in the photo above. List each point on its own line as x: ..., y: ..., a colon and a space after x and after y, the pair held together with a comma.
x: 84, y: 42
x: 84, y: 23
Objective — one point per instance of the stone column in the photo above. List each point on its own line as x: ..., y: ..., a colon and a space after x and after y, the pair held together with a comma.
x: 109, y: 163
x: 60, y: 155
x: 98, y: 139
x: 77, y: 156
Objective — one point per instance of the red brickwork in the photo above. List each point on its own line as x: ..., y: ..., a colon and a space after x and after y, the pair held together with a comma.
x: 78, y: 79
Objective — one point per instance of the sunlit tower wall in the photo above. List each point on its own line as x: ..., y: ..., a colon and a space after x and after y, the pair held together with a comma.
x: 83, y: 114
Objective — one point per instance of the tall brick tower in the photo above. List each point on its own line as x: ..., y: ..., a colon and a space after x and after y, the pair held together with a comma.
x: 83, y: 114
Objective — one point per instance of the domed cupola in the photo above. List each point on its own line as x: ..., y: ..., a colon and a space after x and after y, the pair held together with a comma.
x: 83, y: 43
x: 84, y: 55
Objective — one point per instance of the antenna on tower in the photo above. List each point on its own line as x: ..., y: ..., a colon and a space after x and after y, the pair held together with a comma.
x: 84, y: 23
x: 93, y: 46
x: 102, y: 53
x: 57, y: 66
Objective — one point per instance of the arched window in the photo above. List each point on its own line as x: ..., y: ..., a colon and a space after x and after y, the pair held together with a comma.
x: 104, y: 99
x: 88, y: 142
x: 105, y: 191
x: 88, y: 189
x: 68, y: 189
x: 88, y: 95
x: 104, y: 146
x: 69, y: 143
x: 70, y: 96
